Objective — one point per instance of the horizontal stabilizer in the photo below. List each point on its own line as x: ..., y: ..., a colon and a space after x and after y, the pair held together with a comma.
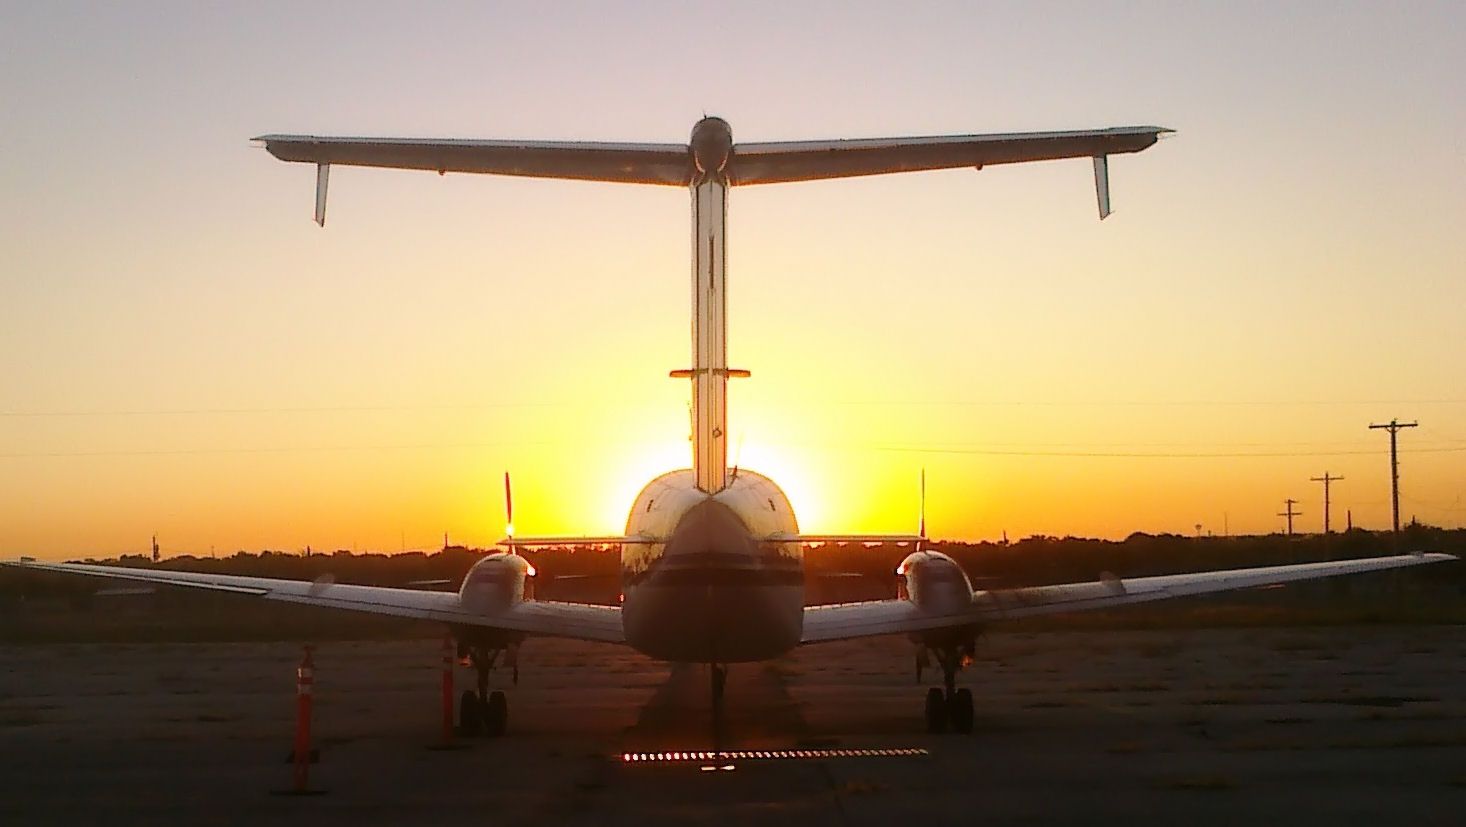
x: 673, y: 164
x: 774, y: 163
x: 626, y: 163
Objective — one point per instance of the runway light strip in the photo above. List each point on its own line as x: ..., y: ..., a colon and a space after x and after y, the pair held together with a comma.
x: 768, y: 755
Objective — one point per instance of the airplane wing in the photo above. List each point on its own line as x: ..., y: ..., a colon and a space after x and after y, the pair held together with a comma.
x: 560, y: 542
x: 627, y: 163
x: 534, y: 617
x: 889, y: 617
x: 773, y: 163
x: 842, y: 539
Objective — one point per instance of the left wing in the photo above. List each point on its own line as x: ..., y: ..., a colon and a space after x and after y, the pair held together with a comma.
x: 889, y: 617
x: 626, y: 163
x: 535, y: 617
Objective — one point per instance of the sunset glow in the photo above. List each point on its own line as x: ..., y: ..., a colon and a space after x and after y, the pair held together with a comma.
x: 186, y: 353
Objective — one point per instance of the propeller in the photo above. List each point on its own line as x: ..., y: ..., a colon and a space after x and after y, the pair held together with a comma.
x: 921, y: 525
x: 508, y: 508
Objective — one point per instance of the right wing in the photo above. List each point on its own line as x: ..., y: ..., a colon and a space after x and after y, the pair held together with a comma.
x: 773, y: 163
x: 562, y: 542
x: 889, y: 617
x: 535, y: 617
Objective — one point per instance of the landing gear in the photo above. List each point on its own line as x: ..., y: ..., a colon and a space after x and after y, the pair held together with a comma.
x: 482, y: 712
x: 947, y: 708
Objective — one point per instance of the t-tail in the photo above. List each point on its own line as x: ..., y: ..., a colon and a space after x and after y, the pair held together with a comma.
x: 710, y: 164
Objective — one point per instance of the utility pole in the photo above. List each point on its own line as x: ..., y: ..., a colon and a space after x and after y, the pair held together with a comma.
x: 1290, y: 514
x: 1394, y: 427
x: 1325, y: 479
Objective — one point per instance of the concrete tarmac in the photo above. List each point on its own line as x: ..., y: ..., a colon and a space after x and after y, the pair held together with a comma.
x: 1352, y: 725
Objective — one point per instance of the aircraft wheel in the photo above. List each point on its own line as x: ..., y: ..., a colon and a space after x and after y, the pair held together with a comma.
x: 470, y: 714
x: 936, y: 711
x: 496, y: 714
x: 959, y: 710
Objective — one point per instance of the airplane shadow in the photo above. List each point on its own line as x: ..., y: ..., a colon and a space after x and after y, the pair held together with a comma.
x: 758, y: 712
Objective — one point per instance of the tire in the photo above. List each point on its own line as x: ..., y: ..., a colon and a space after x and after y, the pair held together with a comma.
x: 470, y: 714
x: 936, y: 711
x: 496, y: 714
x: 959, y: 710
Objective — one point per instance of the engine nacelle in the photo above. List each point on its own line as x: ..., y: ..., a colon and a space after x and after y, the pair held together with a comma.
x: 495, y: 582
x: 934, y: 581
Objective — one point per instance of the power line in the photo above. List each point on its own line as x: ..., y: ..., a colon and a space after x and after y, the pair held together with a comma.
x: 843, y: 448
x: 1290, y: 514
x: 1325, y: 479
x: 1394, y: 427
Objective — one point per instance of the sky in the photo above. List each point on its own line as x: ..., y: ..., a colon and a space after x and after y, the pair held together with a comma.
x: 184, y: 352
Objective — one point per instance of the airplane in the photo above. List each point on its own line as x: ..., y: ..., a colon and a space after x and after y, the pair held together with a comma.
x: 712, y: 556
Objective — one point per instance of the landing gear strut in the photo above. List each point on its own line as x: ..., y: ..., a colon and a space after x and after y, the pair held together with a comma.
x: 948, y: 707
x: 483, y: 712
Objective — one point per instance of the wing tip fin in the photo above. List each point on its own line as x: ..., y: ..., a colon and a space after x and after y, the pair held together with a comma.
x: 323, y: 177
x: 1102, y: 185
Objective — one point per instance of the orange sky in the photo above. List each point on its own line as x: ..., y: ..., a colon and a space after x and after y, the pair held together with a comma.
x: 184, y: 352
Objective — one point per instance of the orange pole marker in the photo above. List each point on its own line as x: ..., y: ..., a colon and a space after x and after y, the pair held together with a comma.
x: 447, y: 741
x: 305, y: 678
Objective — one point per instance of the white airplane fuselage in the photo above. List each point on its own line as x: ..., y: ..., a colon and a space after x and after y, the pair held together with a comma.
x: 713, y: 592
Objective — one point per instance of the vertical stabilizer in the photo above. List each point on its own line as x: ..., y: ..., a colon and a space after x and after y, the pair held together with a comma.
x: 709, y: 335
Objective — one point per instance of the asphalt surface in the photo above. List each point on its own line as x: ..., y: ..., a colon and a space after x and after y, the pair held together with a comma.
x: 1352, y: 725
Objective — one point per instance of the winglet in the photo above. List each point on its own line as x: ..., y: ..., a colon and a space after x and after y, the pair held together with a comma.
x: 323, y: 175
x: 1102, y: 184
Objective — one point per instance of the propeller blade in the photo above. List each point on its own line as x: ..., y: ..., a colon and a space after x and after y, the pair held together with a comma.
x: 508, y: 507
x: 921, y: 528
